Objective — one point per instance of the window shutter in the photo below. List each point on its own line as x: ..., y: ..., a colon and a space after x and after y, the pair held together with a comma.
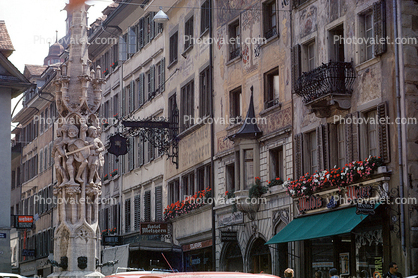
x: 140, y: 151
x: 348, y: 140
x: 147, y: 200
x: 152, y: 73
x: 141, y: 88
x: 141, y: 33
x: 132, y: 40
x: 379, y: 27
x: 131, y: 154
x: 46, y: 158
x: 319, y: 148
x: 298, y: 155
x: 152, y: 26
x: 158, y: 203
x: 383, y: 127
x: 323, y: 147
x: 122, y: 49
x: 127, y: 215
x: 356, y: 139
x: 41, y: 160
x: 137, y: 215
x: 162, y: 79
x: 296, y: 69
x: 132, y: 96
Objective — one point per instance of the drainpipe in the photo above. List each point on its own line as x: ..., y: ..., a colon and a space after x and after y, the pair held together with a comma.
x: 399, y: 129
x: 212, y: 137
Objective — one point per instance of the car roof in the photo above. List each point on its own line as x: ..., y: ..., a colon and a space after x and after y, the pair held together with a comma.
x: 190, y: 275
x: 10, y: 274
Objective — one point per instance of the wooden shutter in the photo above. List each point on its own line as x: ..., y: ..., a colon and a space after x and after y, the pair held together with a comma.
x: 162, y: 78
x: 152, y: 74
x: 131, y: 154
x: 319, y: 148
x: 158, y: 203
x: 140, y: 151
x: 323, y: 147
x: 137, y: 215
x: 141, y: 33
x: 41, y: 164
x: 379, y: 27
x: 298, y: 155
x: 132, y: 96
x: 123, y: 102
x: 152, y: 26
x: 383, y: 129
x: 127, y: 215
x: 355, y: 138
x: 348, y: 139
x: 296, y: 67
x: 147, y: 201
x: 122, y: 49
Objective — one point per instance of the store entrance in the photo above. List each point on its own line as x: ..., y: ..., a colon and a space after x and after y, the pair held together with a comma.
x: 259, y: 258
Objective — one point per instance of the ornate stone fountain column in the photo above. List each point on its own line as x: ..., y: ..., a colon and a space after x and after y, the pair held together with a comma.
x: 78, y: 157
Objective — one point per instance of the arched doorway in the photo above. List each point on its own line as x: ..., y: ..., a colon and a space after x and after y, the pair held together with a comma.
x: 233, y: 258
x: 259, y: 259
x: 281, y: 251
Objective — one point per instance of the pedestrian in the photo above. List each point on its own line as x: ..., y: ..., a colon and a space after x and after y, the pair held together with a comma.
x: 318, y: 274
x: 393, y: 271
x: 288, y: 273
x: 333, y: 273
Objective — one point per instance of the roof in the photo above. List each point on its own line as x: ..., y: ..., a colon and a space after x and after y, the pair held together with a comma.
x: 6, y: 46
x: 33, y: 70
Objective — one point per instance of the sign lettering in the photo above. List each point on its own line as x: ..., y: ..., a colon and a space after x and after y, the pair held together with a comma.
x: 309, y: 203
x: 153, y: 229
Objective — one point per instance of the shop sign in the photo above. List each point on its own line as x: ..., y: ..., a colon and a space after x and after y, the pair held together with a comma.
x: 365, y: 208
x: 3, y: 235
x: 357, y: 192
x: 378, y: 267
x: 197, y: 245
x: 230, y: 219
x: 28, y: 252
x: 153, y: 228
x: 112, y: 240
x: 310, y: 203
x: 228, y: 236
x: 24, y: 221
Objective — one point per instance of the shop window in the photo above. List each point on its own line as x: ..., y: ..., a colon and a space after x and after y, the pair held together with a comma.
x: 369, y: 253
x: 233, y: 258
x: 322, y: 255
x: 259, y: 258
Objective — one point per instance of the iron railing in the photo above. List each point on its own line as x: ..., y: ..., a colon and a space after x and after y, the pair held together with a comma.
x: 331, y: 78
x: 235, y: 52
x: 270, y: 33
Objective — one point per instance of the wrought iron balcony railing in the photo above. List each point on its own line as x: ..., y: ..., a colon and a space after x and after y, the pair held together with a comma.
x: 334, y: 78
x: 235, y: 52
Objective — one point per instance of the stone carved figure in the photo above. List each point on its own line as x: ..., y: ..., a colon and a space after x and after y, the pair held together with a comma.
x: 96, y: 158
x: 58, y: 154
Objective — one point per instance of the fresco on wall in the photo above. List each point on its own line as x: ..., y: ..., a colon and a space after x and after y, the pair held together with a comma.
x: 251, y: 16
x: 307, y: 20
x: 227, y: 10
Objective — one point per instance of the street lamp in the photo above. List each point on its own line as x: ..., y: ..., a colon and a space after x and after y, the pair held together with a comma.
x: 161, y: 16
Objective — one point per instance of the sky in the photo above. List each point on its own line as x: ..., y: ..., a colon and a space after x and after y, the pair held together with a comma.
x: 32, y: 24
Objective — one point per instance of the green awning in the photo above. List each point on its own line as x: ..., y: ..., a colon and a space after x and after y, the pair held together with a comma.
x: 319, y: 225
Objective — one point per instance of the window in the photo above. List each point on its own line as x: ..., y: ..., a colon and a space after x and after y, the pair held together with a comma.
x: 230, y: 177
x: 188, y: 184
x: 140, y: 85
x: 371, y: 133
x: 204, y: 93
x: 336, y: 36
x: 366, y: 25
x: 151, y: 82
x: 271, y: 88
x: 234, y: 36
x: 123, y: 48
x: 151, y: 148
x: 276, y: 163
x: 174, y: 47
x: 188, y: 33
x: 173, y: 191
x: 160, y: 78
x: 235, y: 103
x: 187, y: 105
x: 205, y: 17
x: 248, y: 168
x: 172, y: 111
x: 270, y: 19
x: 310, y: 50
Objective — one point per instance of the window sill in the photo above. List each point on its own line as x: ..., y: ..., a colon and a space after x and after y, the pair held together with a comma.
x: 233, y: 61
x: 204, y: 33
x: 367, y: 63
x: 277, y: 106
x: 172, y: 64
x: 188, y: 49
x: 270, y: 40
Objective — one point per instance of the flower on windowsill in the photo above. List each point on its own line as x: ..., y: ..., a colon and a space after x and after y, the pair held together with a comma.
x: 229, y: 194
x: 256, y: 189
x: 106, y: 72
x: 276, y: 181
x: 114, y: 172
x: 106, y: 177
x: 114, y: 65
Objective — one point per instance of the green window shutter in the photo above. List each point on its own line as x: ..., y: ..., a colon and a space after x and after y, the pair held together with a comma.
x: 158, y: 203
x: 141, y: 33
x: 152, y: 26
x: 131, y: 96
x: 137, y: 214
x: 147, y: 206
x: 152, y: 73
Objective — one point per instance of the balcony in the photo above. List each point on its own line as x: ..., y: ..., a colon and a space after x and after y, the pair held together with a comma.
x: 327, y: 87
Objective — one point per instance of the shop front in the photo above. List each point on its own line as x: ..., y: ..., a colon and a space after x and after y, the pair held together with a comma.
x: 198, y: 256
x: 352, y: 237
